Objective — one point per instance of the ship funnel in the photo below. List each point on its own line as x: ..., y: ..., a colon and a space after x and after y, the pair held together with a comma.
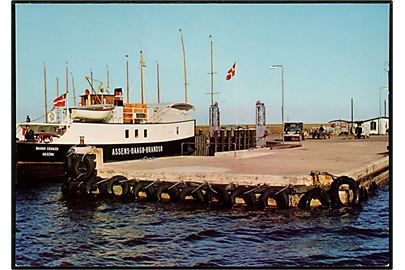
x: 118, y: 101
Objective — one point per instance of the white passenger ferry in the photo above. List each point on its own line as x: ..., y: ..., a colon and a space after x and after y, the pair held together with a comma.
x: 125, y: 131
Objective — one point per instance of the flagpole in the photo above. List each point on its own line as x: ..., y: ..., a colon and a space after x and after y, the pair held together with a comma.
x: 46, y: 100
x: 67, y: 91
x: 236, y: 99
x: 57, y: 95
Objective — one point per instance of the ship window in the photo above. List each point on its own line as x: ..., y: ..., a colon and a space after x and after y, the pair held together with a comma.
x: 126, y: 133
x: 136, y: 133
x: 177, y: 130
x: 145, y: 133
x: 373, y: 125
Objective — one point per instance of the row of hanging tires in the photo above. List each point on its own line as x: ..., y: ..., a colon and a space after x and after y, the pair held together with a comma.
x: 227, y: 196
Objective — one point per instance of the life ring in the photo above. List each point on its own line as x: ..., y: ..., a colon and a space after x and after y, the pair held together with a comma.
x: 117, y: 181
x: 280, y: 198
x: 217, y: 195
x: 169, y: 189
x: 315, y: 194
x: 334, y: 191
x: 83, y: 166
x: 141, y: 192
x: 52, y: 117
x: 248, y: 198
x: 189, y: 193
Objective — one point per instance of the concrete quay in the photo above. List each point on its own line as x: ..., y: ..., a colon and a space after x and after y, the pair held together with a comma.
x: 299, y: 167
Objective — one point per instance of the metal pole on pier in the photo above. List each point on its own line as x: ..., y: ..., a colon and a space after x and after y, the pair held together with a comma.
x: 46, y: 100
x: 73, y: 88
x: 158, y: 82
x: 185, y: 70
x: 351, y: 127
x: 212, y: 76
x: 212, y: 73
x: 282, y: 98
x: 126, y: 57
x: 142, y: 64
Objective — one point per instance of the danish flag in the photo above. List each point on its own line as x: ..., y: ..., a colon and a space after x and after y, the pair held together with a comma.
x: 60, y: 101
x: 231, y: 72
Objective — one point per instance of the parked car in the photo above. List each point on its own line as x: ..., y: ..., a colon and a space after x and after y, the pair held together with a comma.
x: 293, y: 131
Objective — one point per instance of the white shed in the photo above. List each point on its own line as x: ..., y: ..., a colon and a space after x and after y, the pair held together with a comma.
x: 377, y: 126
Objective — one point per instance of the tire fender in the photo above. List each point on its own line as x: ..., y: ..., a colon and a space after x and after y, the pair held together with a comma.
x: 173, y: 192
x: 188, y: 191
x: 141, y: 187
x: 220, y: 194
x: 281, y: 199
x: 317, y: 194
x: 117, y: 180
x: 249, y: 198
x: 83, y: 166
x: 334, y: 191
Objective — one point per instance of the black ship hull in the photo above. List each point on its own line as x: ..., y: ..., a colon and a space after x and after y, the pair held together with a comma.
x: 40, y: 161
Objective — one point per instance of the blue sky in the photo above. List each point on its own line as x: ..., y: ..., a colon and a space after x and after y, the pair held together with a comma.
x: 330, y: 53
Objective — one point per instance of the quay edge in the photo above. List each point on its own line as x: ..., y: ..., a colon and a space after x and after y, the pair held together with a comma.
x: 371, y: 173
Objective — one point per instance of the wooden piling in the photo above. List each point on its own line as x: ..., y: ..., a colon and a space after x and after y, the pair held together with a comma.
x: 215, y: 141
x: 229, y: 139
x: 222, y: 139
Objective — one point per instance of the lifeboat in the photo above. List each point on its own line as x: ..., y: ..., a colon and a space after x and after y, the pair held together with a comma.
x: 92, y: 113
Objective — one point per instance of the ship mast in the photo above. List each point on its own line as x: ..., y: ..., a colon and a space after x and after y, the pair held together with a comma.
x: 108, y: 80
x: 91, y: 77
x: 57, y: 87
x: 126, y: 57
x: 67, y: 78
x: 158, y: 82
x: 73, y: 88
x: 46, y: 101
x: 185, y: 70
x: 67, y: 91
x: 142, y: 64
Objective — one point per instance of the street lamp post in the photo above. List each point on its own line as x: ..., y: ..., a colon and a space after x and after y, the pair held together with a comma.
x: 379, y: 120
x: 282, y: 97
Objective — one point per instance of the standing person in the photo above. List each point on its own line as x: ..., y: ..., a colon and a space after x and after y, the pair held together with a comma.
x: 29, y: 134
x: 358, y: 131
x: 322, y: 135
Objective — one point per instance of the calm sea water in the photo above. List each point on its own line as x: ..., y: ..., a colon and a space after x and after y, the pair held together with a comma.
x: 52, y: 232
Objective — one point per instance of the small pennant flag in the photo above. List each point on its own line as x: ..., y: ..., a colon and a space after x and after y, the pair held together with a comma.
x: 231, y: 72
x: 60, y: 101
